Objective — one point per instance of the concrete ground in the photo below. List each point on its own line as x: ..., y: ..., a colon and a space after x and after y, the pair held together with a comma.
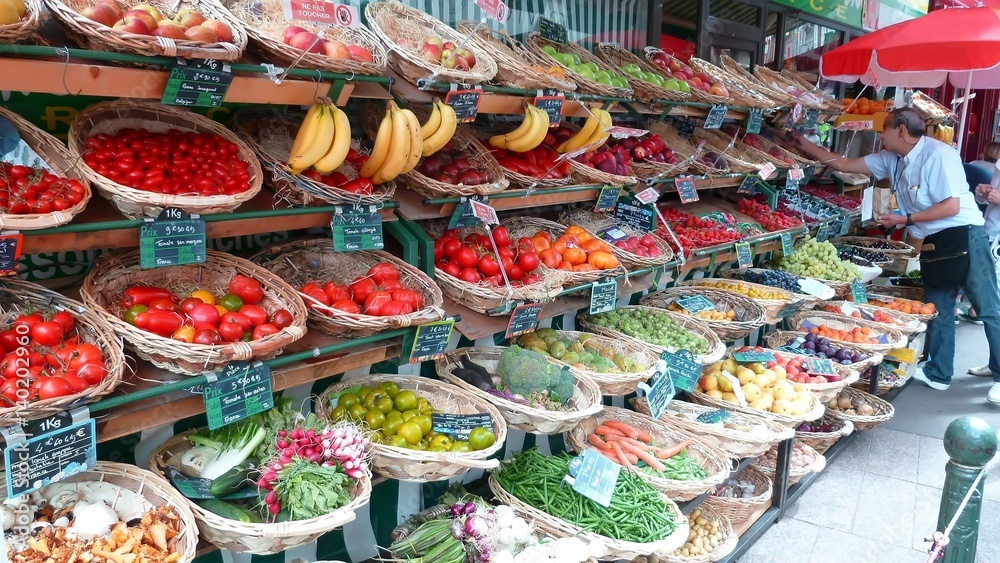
x: 879, y: 499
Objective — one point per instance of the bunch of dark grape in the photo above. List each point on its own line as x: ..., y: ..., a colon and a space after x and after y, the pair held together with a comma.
x: 772, y: 278
x: 861, y: 256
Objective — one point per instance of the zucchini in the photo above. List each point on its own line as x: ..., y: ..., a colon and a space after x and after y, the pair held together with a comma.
x: 235, y: 479
x: 283, y: 516
x: 230, y: 511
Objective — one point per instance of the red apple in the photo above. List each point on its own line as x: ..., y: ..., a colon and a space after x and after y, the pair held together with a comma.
x: 306, y: 41
x: 336, y: 50
x: 222, y: 31
x: 188, y: 18
x: 704, y: 77
x: 133, y: 25
x: 114, y: 5
x: 145, y: 17
x: 359, y: 53
x: 290, y: 31
x: 466, y: 54
x: 447, y: 46
x: 201, y: 33
x: 169, y: 29
x: 152, y: 10
x: 431, y: 53
x: 436, y: 41
x: 101, y: 13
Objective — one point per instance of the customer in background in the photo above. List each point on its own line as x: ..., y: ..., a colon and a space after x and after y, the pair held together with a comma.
x: 987, y: 188
x: 935, y: 205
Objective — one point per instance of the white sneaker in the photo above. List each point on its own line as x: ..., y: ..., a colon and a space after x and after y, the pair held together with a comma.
x: 994, y: 395
x: 918, y: 374
x: 983, y: 371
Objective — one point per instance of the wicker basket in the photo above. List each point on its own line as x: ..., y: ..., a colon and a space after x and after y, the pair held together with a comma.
x: 535, y: 42
x: 647, y: 92
x: 265, y: 23
x: 114, y: 116
x: 749, y: 315
x: 401, y: 29
x: 779, y: 338
x: 734, y: 68
x: 878, y: 299
x: 26, y: 26
x: 821, y: 441
x: 745, y: 93
x: 594, y: 222
x: 517, y: 67
x: 722, y: 548
x: 55, y: 155
x: 810, y: 300
x: 883, y: 410
x: 99, y: 37
x: 895, y: 338
x: 739, y: 158
x: 521, y: 180
x: 265, y: 131
x: 696, y: 94
x: 815, y: 463
x: 135, y: 482
x: 585, y: 174
x: 612, y: 383
x: 315, y: 260
x: 714, y: 461
x: 814, y: 412
x: 746, y: 436
x: 685, y: 148
x: 900, y: 253
x: 828, y: 390
x: 716, y: 349
x: 260, y: 538
x: 745, y: 152
x: 422, y: 466
x: 586, y: 400
x: 520, y: 227
x: 739, y: 510
x: 833, y: 105
x: 616, y: 549
x: 772, y: 307
x: 864, y: 383
x: 765, y: 145
x: 901, y: 291
x: 907, y: 325
x: 114, y: 273
x: 20, y: 297
x: 775, y: 82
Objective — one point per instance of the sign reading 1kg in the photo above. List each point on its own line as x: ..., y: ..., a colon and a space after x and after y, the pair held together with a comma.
x: 173, y: 239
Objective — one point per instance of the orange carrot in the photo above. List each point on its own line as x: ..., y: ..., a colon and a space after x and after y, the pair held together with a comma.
x: 603, y: 430
x: 597, y: 442
x: 667, y: 453
x: 636, y: 443
x: 641, y: 454
x: 620, y: 454
x: 631, y: 458
x: 625, y: 429
x: 645, y: 436
x: 608, y: 453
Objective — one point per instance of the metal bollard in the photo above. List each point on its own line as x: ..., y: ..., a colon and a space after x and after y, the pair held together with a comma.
x: 971, y: 444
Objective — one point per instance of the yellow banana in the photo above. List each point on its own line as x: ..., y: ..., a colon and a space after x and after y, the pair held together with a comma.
x: 601, y: 135
x: 526, y: 127
x: 582, y: 136
x: 416, y: 141
x: 307, y: 130
x: 399, y: 147
x: 540, y: 128
x: 381, y: 148
x: 335, y: 156
x: 317, y: 146
x: 433, y: 122
x: 444, y: 133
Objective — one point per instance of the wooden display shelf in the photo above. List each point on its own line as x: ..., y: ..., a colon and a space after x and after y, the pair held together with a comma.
x: 412, y: 207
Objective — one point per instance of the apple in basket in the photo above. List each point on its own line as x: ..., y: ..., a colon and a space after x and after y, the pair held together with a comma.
x: 222, y: 32
x: 117, y: 7
x: 169, y: 29
x: 133, y: 25
x: 290, y: 32
x: 306, y: 41
x: 359, y: 53
x: 145, y: 17
x: 201, y: 33
x: 151, y: 10
x: 431, y: 50
x: 102, y: 13
x: 188, y: 18
x: 336, y: 50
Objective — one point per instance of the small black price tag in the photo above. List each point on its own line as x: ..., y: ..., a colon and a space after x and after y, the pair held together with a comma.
x: 684, y: 126
x: 524, y: 319
x: 858, y: 292
x: 682, y: 369
x: 744, y: 255
x: 659, y: 392
x: 790, y: 309
x: 551, y: 105
x: 458, y: 426
x: 748, y: 185
x: 603, y: 296
x: 821, y: 366
x: 630, y: 213
x: 431, y: 341
x: 787, y: 248
x: 357, y: 227
x: 845, y: 227
x: 823, y: 232
x: 754, y: 120
x: 750, y: 356
x: 607, y: 198
x: 463, y: 216
x: 686, y: 190
x: 695, y: 304
x: 465, y: 103
x: 10, y: 253
x: 173, y: 239
x: 596, y: 477
x: 552, y: 31
x: 240, y: 390
x: 716, y: 116
x: 200, y: 489
x: 197, y: 83
x: 50, y: 457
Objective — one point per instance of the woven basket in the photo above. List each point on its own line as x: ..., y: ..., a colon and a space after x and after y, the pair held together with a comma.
x: 901, y: 291
x: 685, y: 148
x: 864, y: 383
x: 714, y: 461
x: 535, y: 42
x: 612, y: 383
x: 734, y: 68
x: 519, y: 227
x: 650, y: 169
x: 746, y: 153
x: 743, y: 436
x: 515, y: 63
x: 744, y: 92
x: 315, y: 260
x: 25, y: 28
x: 876, y: 295
x: 821, y: 441
x: 739, y: 159
x: 810, y: 300
x: 556, y: 527
x: 908, y: 325
x: 763, y: 144
x: 153, y: 490
x: 883, y: 410
x: 896, y: 339
x: 593, y: 222
x: 260, y: 538
x: 589, y: 175
x: 814, y: 412
x: 265, y: 23
x: 114, y: 273
x: 99, y: 37
x: 524, y: 181
x: 422, y: 466
x: 696, y: 94
x: 722, y: 548
x: 716, y: 349
x: 18, y: 297
x: 402, y: 29
x: 749, y: 315
x: 265, y: 130
x: 779, y: 338
x: 868, y: 243
x: 815, y: 463
x: 772, y: 307
x: 586, y: 401
x: 770, y: 78
x: 647, y: 92
x: 55, y: 155
x: 828, y: 390
x: 739, y: 510
x: 114, y: 116
x: 832, y: 104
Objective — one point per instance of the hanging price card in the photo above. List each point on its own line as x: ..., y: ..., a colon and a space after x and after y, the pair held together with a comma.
x: 821, y: 366
x: 603, y: 296
x: 682, y: 369
x: 795, y: 174
x: 10, y: 253
x: 596, y: 477
x: 495, y: 9
x: 524, y: 319
x: 431, y: 341
x: 795, y: 114
x: 240, y: 390
x: 552, y: 31
x: 465, y: 103
x: 787, y: 248
x: 858, y: 292
x: 660, y: 392
x: 790, y: 309
x: 791, y: 183
x: 607, y: 198
x: 43, y: 459
x: 551, y: 105
x: 744, y: 255
x: 845, y: 227
x: 767, y: 170
x: 462, y: 217
x: 630, y: 214
x: 357, y: 227
x: 695, y: 304
x: 747, y: 185
x: 754, y: 120
x: 716, y: 115
x: 197, y: 83
x: 460, y: 425
x: 647, y: 196
x: 625, y: 132
x: 173, y: 239
x: 823, y: 232
x: 686, y: 190
x: 748, y: 356
x: 484, y: 213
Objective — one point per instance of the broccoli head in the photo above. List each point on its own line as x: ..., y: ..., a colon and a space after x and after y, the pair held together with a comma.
x: 525, y: 372
x: 563, y: 384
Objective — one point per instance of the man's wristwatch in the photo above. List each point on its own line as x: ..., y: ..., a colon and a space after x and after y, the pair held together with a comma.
x: 909, y: 220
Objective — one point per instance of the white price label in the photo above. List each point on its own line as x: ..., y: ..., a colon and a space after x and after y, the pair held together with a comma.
x: 768, y: 169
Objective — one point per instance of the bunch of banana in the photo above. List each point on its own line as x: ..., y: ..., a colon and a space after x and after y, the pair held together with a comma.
x: 322, y: 141
x: 528, y: 135
x: 944, y: 133
x: 593, y: 133
x: 398, y: 146
x: 439, y: 128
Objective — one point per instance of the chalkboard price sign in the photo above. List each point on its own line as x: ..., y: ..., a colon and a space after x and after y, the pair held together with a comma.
x: 524, y: 319
x: 53, y: 456
x: 821, y: 366
x: 744, y: 255
x: 603, y: 296
x: 459, y: 426
x: 173, y: 239
x: 684, y: 126
x: 823, y: 232
x: 197, y: 83
x: 551, y: 105
x: 357, y: 227
x: 686, y: 190
x: 682, y: 369
x: 695, y: 304
x: 240, y: 390
x: 787, y: 248
x: 607, y: 198
x: 716, y: 116
x: 463, y: 216
x: 552, y: 31
x: 660, y: 392
x: 858, y: 292
x: 431, y: 341
x: 748, y: 184
x: 465, y: 103
x: 755, y: 120
x: 630, y: 213
x: 10, y: 253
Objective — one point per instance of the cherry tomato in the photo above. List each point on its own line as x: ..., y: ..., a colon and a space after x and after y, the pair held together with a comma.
x: 65, y: 320
x: 52, y: 387
x: 207, y: 336
x: 47, y: 333
x: 282, y: 318
x: 94, y: 373
x: 266, y: 329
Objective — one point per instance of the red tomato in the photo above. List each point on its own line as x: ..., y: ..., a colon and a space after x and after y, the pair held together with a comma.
x: 396, y: 308
x: 246, y: 288
x: 65, y: 320
x: 414, y: 298
x: 189, y: 304
x: 84, y: 353
x: 438, y: 250
x: 256, y: 314
x: 163, y: 304
x: 8, y: 390
x: 383, y: 272
x: 451, y: 247
x: 528, y: 261
x: 207, y: 336
x: 336, y: 292
x: 469, y: 275
x: 375, y: 301
x: 144, y: 295
x: 282, y: 318
x: 515, y: 273
x: 204, y: 314
x: 452, y: 269
x: 163, y: 323
x: 52, y: 387
x: 77, y: 383
x: 231, y: 330
x: 263, y: 330
x: 9, y: 339
x: 94, y: 373
x: 501, y: 236
x: 47, y: 333
x: 347, y: 306
x: 466, y: 257
x: 361, y: 288
x: 488, y: 265
x: 314, y: 294
x: 30, y: 320
x: 236, y: 318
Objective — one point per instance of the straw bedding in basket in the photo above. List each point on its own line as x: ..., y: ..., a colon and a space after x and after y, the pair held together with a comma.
x: 111, y: 117
x: 535, y: 44
x: 748, y: 314
x: 744, y: 92
x: 687, y: 149
x: 777, y: 83
x: 114, y: 273
x: 697, y: 94
x: 55, y: 155
x: 734, y: 68
x: 715, y: 348
x: 617, y: 57
x: 26, y: 26
x: 586, y: 400
x: 422, y: 466
x: 315, y: 260
x: 260, y: 538
x: 594, y: 222
x: 517, y: 67
x: 613, y: 383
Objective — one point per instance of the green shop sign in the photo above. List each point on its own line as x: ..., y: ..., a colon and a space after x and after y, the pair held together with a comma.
x: 847, y: 12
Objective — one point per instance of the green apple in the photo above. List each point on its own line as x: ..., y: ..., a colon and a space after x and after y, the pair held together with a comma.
x: 684, y: 86
x: 549, y: 50
x: 591, y: 65
x: 671, y: 84
x: 619, y: 83
x: 585, y: 72
x: 656, y: 79
x: 602, y: 75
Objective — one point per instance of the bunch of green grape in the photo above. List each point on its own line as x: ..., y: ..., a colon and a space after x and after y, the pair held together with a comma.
x: 818, y: 260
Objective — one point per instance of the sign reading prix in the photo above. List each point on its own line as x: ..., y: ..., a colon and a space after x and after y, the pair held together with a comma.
x: 197, y: 83
x: 173, y: 239
x: 63, y: 451
x: 465, y: 103
x: 495, y: 9
x: 241, y: 390
x: 317, y: 11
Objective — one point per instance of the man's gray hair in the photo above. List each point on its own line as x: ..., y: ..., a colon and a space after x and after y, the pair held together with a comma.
x: 909, y: 118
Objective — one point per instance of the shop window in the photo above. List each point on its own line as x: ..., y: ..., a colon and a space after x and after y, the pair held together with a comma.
x: 805, y: 43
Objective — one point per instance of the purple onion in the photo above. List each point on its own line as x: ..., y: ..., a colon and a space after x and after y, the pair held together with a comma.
x: 469, y: 508
x: 457, y: 530
x: 475, y: 526
x: 456, y: 509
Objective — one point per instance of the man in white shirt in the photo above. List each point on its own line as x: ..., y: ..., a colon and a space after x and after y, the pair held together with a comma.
x: 934, y: 202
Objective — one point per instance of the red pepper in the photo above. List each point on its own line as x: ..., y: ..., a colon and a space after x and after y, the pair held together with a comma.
x: 163, y: 323
x: 144, y: 295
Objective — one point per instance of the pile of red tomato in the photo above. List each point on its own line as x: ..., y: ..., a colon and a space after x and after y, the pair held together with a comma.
x: 44, y: 359
x: 474, y: 259
x: 175, y: 162
x: 361, y: 186
x: 694, y: 232
x: 768, y: 218
x: 25, y: 190
x: 201, y: 318
x: 378, y: 293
